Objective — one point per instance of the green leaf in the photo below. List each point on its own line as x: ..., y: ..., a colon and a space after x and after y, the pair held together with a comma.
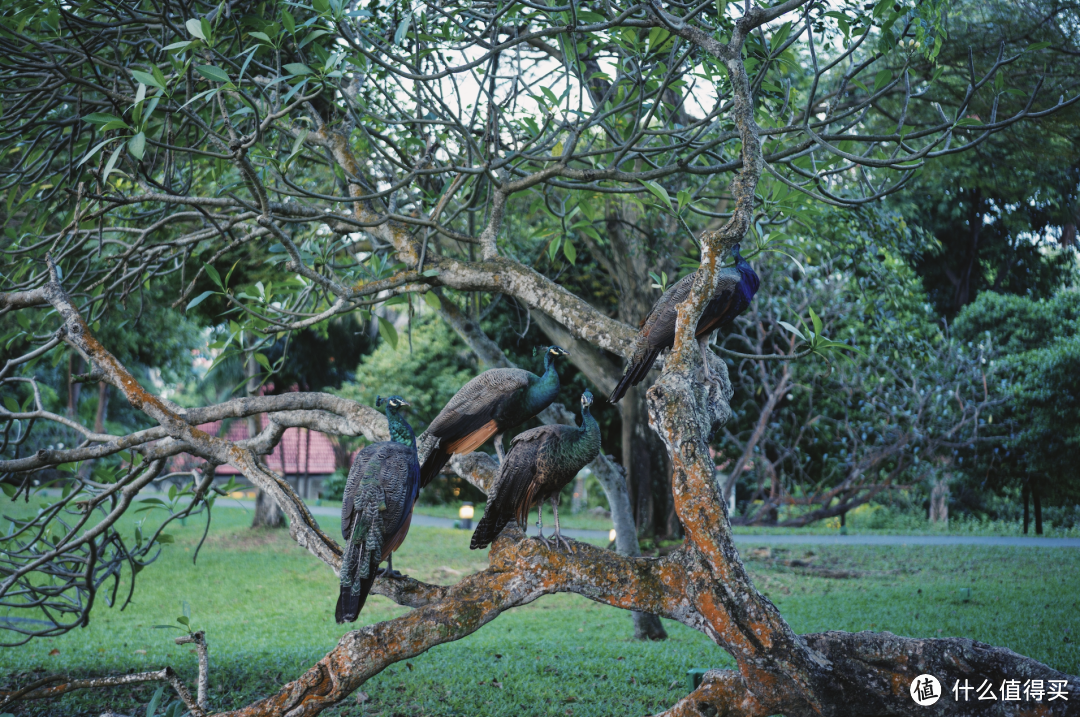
x: 151, y: 706
x: 388, y: 332
x: 553, y: 247
x: 12, y: 404
x: 137, y: 145
x: 198, y: 300
x: 402, y: 28
x: 570, y: 251
x: 288, y: 22
x: 262, y: 36
x: 658, y: 191
x: 166, y: 539
x: 183, y: 620
x: 213, y: 73
x: 177, y: 46
x: 684, y: 198
x: 214, y: 275
x: 147, y: 79
x: 881, y: 79
x: 101, y: 118
x: 792, y: 329
x: 1037, y: 46
x: 297, y: 68
x: 321, y: 6
x: 110, y: 164
x: 195, y: 28
x: 967, y: 122
x: 432, y: 300
x: 817, y: 322
x: 263, y: 361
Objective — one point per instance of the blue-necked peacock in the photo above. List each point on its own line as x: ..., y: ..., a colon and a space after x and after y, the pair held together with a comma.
x: 539, y: 464
x: 735, y: 290
x: 489, y: 405
x: 377, y: 508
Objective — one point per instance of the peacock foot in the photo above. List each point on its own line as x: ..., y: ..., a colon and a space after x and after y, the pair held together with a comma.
x: 545, y: 541
x: 389, y: 573
x: 559, y: 540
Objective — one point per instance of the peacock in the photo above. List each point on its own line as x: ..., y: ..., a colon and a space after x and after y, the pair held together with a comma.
x: 489, y: 405
x: 735, y: 289
x: 539, y: 464
x: 377, y: 508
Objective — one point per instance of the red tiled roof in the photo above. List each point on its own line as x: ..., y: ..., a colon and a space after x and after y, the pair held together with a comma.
x: 300, y: 451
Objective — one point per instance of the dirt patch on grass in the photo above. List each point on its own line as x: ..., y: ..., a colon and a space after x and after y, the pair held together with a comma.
x: 251, y: 539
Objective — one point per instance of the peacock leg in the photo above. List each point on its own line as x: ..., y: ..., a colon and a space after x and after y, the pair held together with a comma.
x: 559, y: 540
x: 499, y: 450
x: 540, y: 526
x: 388, y: 571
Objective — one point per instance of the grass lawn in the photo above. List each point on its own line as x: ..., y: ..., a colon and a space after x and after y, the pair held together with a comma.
x: 267, y: 608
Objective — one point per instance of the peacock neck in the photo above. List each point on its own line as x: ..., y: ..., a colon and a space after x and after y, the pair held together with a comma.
x: 545, y: 387
x: 588, y: 443
x: 400, y: 430
x: 588, y: 423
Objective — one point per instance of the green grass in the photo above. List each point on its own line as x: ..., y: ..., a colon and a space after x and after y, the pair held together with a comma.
x: 267, y: 608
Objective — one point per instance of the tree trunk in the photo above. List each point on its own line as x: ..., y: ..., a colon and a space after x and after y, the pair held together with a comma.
x: 102, y: 407
x: 74, y: 366
x: 613, y: 481
x: 1036, y: 499
x: 1025, y: 492
x: 580, y: 499
x: 267, y: 512
x: 939, y: 502
x: 642, y: 457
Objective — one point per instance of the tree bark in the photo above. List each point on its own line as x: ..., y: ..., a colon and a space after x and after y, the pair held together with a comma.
x: 102, y: 407
x: 939, y: 502
x: 1036, y: 499
x: 267, y: 512
x: 1025, y: 493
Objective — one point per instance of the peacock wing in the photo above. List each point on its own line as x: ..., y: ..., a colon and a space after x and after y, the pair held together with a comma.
x: 542, y: 451
x: 471, y: 413
x: 399, y: 476
x: 356, y: 472
x: 658, y: 329
x: 477, y: 401
x: 725, y: 304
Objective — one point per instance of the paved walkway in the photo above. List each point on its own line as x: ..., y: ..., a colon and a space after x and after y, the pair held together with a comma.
x: 773, y: 539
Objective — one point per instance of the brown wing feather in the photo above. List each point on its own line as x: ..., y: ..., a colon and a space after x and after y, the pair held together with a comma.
x: 472, y: 441
x: 399, y: 537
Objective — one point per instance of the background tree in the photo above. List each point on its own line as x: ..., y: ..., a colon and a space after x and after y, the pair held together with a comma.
x: 363, y: 154
x: 1042, y: 416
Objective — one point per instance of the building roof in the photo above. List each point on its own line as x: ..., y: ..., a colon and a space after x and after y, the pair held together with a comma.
x: 300, y: 450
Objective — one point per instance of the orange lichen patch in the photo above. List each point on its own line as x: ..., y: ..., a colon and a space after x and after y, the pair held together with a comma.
x: 474, y: 440
x: 722, y: 693
x: 899, y: 683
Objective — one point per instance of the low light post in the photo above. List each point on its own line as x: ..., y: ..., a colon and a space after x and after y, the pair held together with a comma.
x: 465, y: 513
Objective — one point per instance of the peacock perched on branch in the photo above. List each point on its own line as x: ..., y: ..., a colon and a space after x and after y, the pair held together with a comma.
x: 489, y: 405
x: 377, y: 508
x: 735, y: 289
x: 539, y: 464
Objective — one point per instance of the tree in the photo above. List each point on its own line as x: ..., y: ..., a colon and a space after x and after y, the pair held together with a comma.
x: 1042, y: 351
x: 817, y: 443
x: 1003, y: 217
x: 376, y: 152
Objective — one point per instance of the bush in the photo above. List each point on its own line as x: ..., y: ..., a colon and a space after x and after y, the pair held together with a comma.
x: 333, y: 488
